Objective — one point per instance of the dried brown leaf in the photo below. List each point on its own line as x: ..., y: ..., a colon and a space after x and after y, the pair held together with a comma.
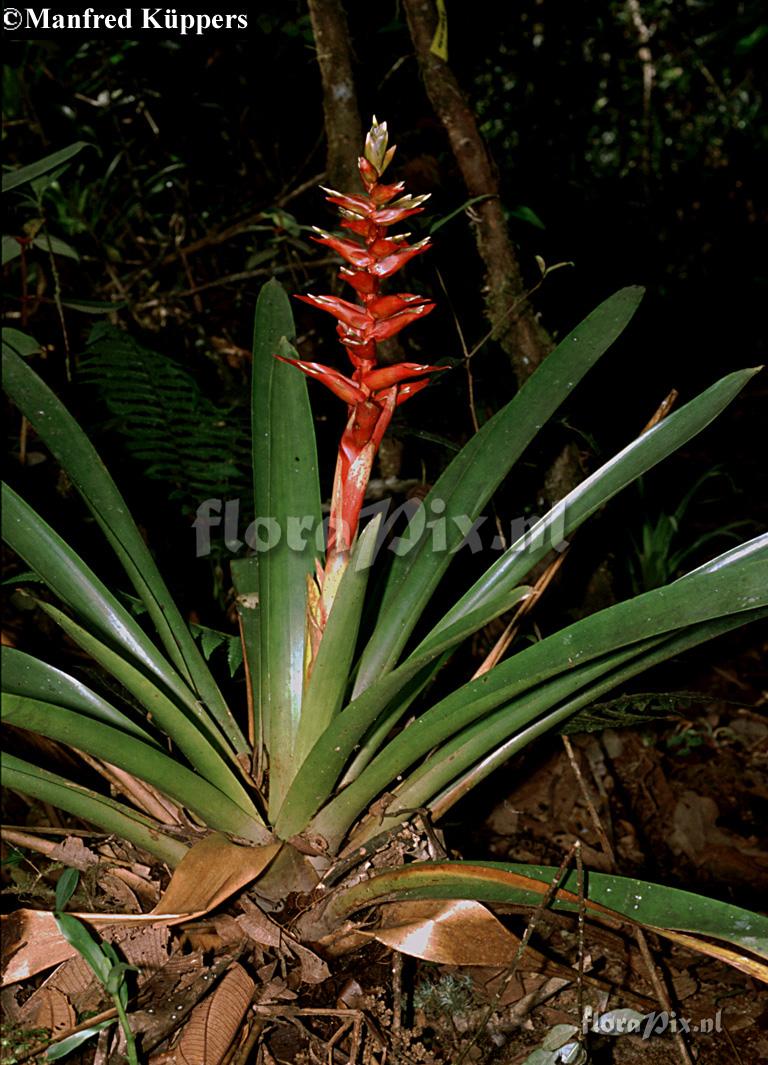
x: 145, y: 947
x: 74, y: 852
x: 51, y: 1010
x: 288, y: 867
x: 313, y: 968
x: 118, y: 893
x: 148, y: 799
x: 214, y: 1023
x: 73, y: 978
x: 447, y: 931
x: 145, y: 889
x: 209, y: 873
x: 261, y: 929
x: 351, y: 996
x: 31, y: 942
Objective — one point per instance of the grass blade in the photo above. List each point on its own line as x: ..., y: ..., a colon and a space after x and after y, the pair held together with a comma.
x: 13, y: 178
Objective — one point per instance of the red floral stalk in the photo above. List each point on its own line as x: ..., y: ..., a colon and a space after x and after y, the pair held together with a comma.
x: 372, y: 392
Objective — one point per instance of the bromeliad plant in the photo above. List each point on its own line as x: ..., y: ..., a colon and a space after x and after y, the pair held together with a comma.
x: 328, y: 771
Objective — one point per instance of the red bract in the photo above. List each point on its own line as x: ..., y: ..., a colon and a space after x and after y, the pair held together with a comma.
x: 371, y: 393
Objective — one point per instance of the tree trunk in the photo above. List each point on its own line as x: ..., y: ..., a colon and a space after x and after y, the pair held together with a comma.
x: 342, y: 119
x: 518, y: 332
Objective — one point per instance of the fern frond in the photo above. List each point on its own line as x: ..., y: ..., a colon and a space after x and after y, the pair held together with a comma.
x: 165, y: 422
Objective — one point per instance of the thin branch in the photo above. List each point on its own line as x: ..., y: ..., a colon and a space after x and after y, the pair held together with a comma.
x: 644, y: 34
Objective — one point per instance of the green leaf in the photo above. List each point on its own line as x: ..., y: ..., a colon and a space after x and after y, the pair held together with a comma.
x: 77, y: 585
x: 78, y: 936
x: 11, y: 250
x: 70, y: 446
x: 566, y: 516
x: 751, y: 40
x: 193, y: 738
x: 116, y: 979
x: 147, y: 763
x: 569, y: 660
x: 72, y: 1042
x: 650, y: 904
x: 477, y: 751
x: 526, y: 214
x: 113, y: 817
x: 286, y: 490
x: 322, y: 768
x: 210, y: 639
x: 457, y: 211
x: 66, y: 888
x: 13, y: 178
x: 21, y: 343
x: 245, y: 578
x: 327, y: 685
x: 55, y: 246
x: 476, y: 472
x: 25, y: 577
x: 234, y: 654
x: 23, y: 674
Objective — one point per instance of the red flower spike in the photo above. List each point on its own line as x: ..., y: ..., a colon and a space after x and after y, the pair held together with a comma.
x: 384, y: 193
x: 351, y: 314
x: 383, y: 306
x: 359, y: 205
x: 392, y: 263
x: 361, y: 282
x: 368, y: 172
x: 381, y: 247
x: 376, y: 141
x: 372, y: 393
x: 392, y: 375
x: 406, y: 391
x: 389, y: 216
x: 389, y: 327
x: 340, y: 385
x: 347, y: 249
x: 361, y: 226
x: 359, y: 209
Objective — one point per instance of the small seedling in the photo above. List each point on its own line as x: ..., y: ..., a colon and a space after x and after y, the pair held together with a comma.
x: 102, y: 957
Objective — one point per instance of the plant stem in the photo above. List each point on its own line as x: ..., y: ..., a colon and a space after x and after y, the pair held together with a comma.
x: 130, y: 1042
